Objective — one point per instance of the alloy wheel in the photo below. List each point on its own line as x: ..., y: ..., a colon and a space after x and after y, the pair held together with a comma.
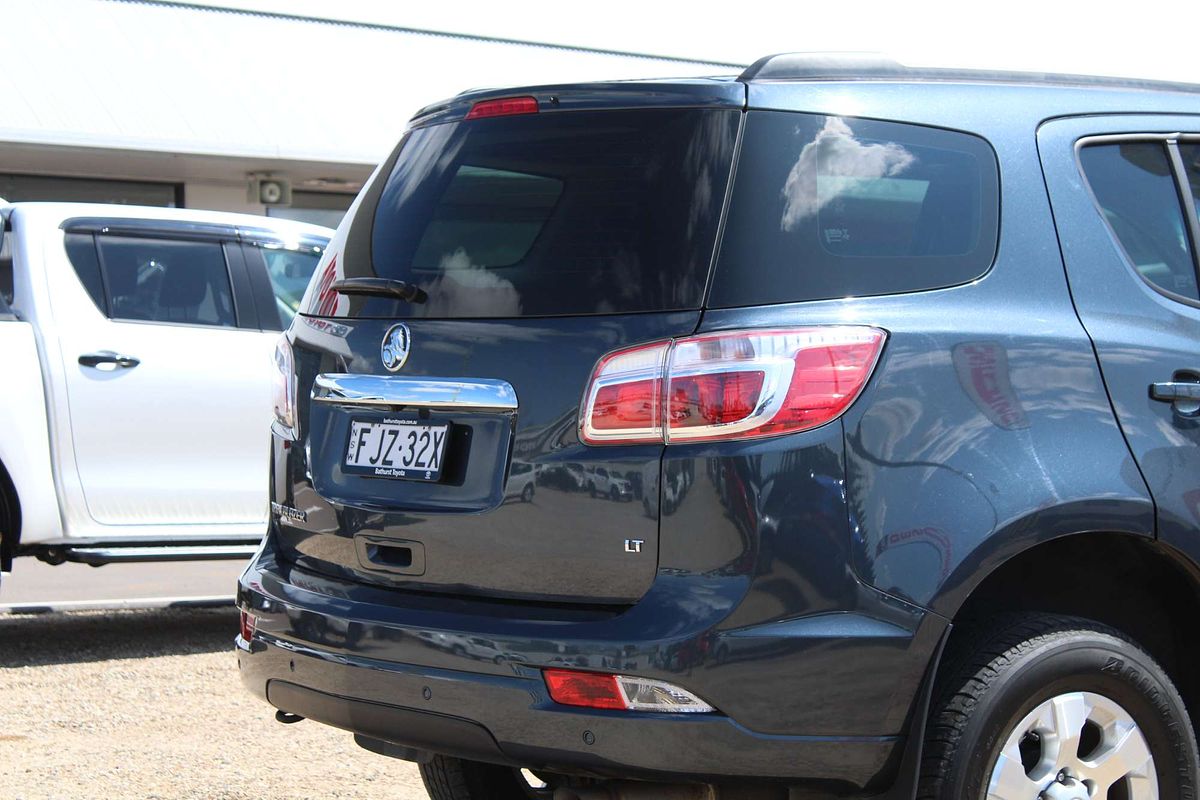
x: 1075, y: 746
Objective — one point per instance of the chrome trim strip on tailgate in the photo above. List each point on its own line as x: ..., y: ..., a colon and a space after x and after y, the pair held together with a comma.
x: 393, y: 391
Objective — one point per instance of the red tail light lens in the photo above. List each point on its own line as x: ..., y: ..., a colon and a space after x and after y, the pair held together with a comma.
x: 625, y: 397
x: 503, y: 107
x: 743, y: 384
x: 716, y: 399
x: 627, y: 405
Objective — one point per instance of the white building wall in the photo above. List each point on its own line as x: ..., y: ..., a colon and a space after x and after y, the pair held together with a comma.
x: 153, y: 76
x: 219, y: 198
x: 184, y: 95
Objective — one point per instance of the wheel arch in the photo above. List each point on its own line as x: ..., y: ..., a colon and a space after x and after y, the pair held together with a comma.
x: 1016, y: 538
x: 1134, y: 583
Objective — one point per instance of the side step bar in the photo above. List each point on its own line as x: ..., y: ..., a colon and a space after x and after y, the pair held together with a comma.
x: 97, y: 553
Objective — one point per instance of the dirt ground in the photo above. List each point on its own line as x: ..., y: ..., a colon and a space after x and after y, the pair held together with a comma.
x: 148, y: 704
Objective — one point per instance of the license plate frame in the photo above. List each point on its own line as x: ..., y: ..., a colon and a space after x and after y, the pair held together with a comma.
x: 424, y: 441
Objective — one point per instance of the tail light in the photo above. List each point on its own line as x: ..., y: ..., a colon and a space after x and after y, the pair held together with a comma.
x: 285, y: 390
x: 620, y: 693
x: 731, y: 385
x: 247, y: 623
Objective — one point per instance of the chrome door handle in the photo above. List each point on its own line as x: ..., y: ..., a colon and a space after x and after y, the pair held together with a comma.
x: 1183, y: 395
x: 108, y: 357
x: 1175, y: 390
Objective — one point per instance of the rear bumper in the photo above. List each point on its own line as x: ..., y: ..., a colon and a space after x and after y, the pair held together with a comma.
x: 511, y: 720
x: 322, y: 657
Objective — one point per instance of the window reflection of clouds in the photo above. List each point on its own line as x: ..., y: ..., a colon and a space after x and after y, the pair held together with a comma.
x: 465, y: 289
x: 835, y: 152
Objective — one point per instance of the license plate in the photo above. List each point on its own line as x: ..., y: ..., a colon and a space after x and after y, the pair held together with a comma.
x: 396, y: 448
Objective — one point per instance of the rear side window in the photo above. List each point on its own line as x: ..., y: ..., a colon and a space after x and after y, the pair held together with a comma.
x: 1135, y: 189
x: 164, y: 280
x: 581, y: 212
x: 289, y: 272
x: 81, y: 250
x: 6, y: 270
x: 826, y: 207
x: 1190, y: 154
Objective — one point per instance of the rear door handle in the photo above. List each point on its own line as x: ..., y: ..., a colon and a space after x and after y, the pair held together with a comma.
x: 108, y: 357
x: 1184, y: 395
x: 1175, y: 390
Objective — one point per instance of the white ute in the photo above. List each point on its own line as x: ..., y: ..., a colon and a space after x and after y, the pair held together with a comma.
x: 135, y: 361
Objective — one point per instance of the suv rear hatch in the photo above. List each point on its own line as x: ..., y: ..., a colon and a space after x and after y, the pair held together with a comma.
x: 532, y: 237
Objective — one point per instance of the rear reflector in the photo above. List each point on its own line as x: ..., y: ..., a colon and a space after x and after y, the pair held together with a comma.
x: 503, y: 107
x: 247, y: 622
x: 621, y: 693
x: 734, y: 385
x: 586, y: 689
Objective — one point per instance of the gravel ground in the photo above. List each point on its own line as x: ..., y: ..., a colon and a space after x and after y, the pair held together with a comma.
x: 148, y: 704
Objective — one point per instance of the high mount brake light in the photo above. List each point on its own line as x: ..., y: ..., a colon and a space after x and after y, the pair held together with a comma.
x: 730, y: 385
x: 503, y: 107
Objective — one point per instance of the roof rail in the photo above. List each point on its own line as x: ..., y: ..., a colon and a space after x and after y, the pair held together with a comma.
x: 821, y: 66
x: 877, y: 66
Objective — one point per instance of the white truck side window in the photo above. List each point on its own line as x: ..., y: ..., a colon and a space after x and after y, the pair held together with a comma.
x: 165, y: 280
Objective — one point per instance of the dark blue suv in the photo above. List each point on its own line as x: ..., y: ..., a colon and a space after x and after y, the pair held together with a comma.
x: 827, y: 431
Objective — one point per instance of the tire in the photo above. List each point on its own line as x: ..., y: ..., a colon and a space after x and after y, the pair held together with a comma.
x: 455, y: 779
x: 1060, y: 677
x: 527, y: 493
x: 614, y: 495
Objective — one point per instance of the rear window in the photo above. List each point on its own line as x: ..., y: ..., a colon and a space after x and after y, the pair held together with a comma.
x: 583, y: 212
x: 825, y: 207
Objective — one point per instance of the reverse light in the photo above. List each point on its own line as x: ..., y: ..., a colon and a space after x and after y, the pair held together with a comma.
x: 284, y: 385
x: 620, y: 693
x: 503, y: 107
x: 729, y: 385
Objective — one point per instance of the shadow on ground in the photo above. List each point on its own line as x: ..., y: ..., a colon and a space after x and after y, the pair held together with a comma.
x: 83, y: 636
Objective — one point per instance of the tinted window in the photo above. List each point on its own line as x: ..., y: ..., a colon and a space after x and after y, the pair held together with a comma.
x: 1136, y: 191
x: 583, y: 212
x: 81, y: 250
x: 6, y: 268
x: 166, y: 281
x: 289, y: 272
x: 498, y: 212
x: 1191, y: 165
x: 828, y: 207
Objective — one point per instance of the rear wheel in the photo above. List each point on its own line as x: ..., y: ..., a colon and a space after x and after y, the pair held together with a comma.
x: 455, y: 779
x: 1046, y: 707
